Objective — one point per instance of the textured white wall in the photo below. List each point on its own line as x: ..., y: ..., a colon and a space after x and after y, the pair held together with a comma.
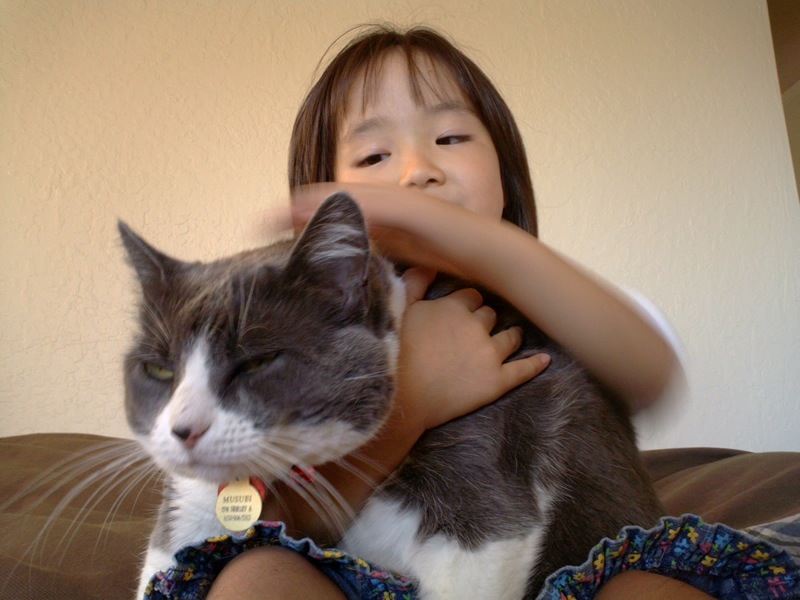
x: 655, y: 135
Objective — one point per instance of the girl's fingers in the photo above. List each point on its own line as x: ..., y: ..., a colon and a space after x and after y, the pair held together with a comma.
x: 487, y: 315
x: 416, y: 281
x: 517, y: 372
x: 508, y: 341
x: 468, y: 297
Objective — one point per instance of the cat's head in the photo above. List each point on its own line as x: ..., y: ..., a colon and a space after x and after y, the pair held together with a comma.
x: 278, y: 356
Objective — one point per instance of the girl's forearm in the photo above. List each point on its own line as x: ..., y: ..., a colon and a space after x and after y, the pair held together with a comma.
x: 600, y: 328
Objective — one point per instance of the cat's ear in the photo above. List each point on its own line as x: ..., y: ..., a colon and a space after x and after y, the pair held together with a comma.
x: 333, y: 251
x: 153, y: 267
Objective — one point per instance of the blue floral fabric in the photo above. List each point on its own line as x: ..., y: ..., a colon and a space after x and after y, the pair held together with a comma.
x: 723, y: 562
x: 199, y: 565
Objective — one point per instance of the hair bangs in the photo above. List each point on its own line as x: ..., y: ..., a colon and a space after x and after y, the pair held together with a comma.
x: 429, y: 73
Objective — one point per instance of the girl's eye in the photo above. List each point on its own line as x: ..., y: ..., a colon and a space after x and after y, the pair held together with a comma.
x: 449, y: 140
x: 372, y: 159
x: 158, y: 372
x: 254, y: 365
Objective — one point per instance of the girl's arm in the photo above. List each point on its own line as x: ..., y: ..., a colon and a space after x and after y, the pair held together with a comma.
x: 449, y: 365
x: 599, y: 328
x: 602, y: 331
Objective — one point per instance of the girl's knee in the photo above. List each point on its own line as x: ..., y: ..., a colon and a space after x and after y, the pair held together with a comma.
x: 270, y: 573
x: 640, y: 585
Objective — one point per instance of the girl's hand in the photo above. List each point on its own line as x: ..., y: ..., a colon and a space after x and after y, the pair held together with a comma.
x: 393, y: 215
x: 450, y: 364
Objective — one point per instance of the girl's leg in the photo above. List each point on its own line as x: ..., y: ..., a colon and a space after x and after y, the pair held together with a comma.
x: 640, y: 585
x: 270, y: 573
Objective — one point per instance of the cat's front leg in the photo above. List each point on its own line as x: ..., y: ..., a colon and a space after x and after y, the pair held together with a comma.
x: 157, y: 559
x: 186, y: 517
x: 161, y: 547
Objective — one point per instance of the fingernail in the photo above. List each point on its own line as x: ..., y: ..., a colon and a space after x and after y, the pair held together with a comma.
x: 544, y: 359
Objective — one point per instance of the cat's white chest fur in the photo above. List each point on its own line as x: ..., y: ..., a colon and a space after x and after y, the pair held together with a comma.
x: 387, y: 534
x: 190, y: 522
x: 196, y: 500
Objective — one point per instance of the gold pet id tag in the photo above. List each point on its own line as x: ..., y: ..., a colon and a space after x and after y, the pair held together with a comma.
x: 238, y: 505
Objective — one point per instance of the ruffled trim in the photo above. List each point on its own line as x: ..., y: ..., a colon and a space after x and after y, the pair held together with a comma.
x: 198, y: 566
x: 716, y: 559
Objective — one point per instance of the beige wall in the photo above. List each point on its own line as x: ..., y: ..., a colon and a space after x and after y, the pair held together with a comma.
x: 654, y: 128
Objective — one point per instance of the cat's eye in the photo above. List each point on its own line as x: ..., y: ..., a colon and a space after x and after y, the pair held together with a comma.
x: 254, y: 365
x: 158, y: 372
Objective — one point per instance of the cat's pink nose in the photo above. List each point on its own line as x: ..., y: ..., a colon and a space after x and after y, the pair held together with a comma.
x: 189, y: 435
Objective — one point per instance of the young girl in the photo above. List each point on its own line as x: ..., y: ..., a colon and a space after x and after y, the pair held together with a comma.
x: 423, y: 141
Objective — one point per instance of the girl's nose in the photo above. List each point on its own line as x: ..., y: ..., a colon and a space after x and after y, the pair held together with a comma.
x: 420, y: 171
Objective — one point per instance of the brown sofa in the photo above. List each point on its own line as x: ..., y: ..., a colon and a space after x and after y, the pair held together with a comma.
x: 47, y: 557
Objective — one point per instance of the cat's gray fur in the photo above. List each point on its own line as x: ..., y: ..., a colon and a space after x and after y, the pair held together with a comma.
x: 300, y: 340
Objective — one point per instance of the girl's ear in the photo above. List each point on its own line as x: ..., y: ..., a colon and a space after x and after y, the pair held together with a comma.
x: 333, y: 253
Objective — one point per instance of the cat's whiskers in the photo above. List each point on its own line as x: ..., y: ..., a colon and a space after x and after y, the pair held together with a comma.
x: 244, y: 309
x: 71, y: 466
x: 326, y: 502
x: 347, y: 463
x: 249, y: 329
x: 141, y: 480
x: 105, y: 466
x: 373, y: 375
x: 156, y: 325
x: 109, y: 477
x: 320, y: 495
x: 131, y: 481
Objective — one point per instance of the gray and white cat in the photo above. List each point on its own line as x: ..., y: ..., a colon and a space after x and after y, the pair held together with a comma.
x: 286, y: 356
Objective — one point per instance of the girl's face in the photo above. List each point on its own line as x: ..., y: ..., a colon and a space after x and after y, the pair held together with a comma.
x: 437, y: 145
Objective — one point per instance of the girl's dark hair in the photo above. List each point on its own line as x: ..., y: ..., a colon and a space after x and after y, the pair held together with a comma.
x: 312, y: 149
